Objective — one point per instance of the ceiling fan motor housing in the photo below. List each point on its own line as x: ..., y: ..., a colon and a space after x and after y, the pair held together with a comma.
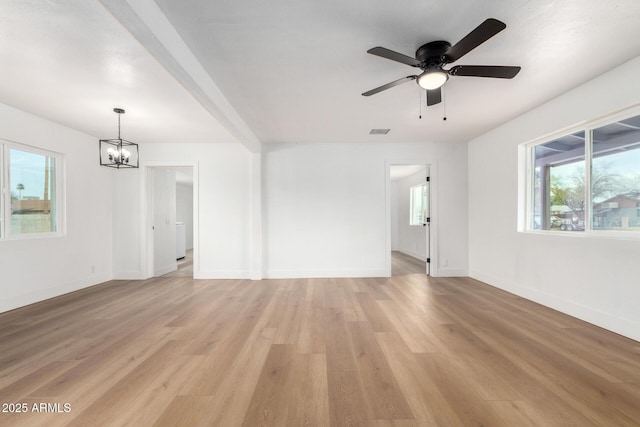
x: 433, y: 53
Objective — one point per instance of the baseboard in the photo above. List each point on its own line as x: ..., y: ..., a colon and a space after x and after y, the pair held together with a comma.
x: 452, y: 272
x: 222, y: 274
x: 317, y: 274
x: 56, y: 291
x: 127, y: 275
x: 622, y: 326
x: 216, y: 274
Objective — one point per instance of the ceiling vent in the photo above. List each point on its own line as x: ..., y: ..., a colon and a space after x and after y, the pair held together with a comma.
x: 379, y: 131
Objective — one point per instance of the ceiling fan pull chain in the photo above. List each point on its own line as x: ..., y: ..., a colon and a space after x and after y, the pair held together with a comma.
x: 420, y: 104
x: 444, y: 103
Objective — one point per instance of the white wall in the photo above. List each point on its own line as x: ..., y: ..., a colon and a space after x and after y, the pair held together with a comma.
x: 223, y: 198
x: 595, y: 279
x: 36, y: 269
x: 411, y: 239
x: 324, y: 207
x: 127, y: 229
x: 184, y: 211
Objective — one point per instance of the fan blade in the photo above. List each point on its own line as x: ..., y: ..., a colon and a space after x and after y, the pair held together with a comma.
x: 389, y: 85
x: 475, y: 38
x: 394, y: 56
x: 495, y: 71
x: 434, y: 96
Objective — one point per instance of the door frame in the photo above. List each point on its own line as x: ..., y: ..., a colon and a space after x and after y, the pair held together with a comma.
x: 146, y: 216
x: 432, y: 233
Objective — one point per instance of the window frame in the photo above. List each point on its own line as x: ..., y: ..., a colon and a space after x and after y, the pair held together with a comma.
x: 5, y: 192
x: 526, y: 178
x: 411, y: 204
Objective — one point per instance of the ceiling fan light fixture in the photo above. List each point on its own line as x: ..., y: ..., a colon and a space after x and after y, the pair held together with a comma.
x: 432, y: 79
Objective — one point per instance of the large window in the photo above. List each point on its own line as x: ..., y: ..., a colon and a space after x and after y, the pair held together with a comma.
x: 588, y: 180
x: 30, y: 203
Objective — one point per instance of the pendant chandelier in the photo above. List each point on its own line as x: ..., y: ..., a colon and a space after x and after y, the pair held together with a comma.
x: 118, y: 153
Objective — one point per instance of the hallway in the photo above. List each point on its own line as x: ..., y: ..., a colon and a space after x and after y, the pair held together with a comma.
x: 402, y: 264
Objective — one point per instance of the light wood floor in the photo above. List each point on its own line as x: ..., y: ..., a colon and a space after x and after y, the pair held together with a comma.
x: 403, y: 264
x: 405, y: 351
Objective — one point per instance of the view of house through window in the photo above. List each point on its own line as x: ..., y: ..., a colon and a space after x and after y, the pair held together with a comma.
x: 560, y: 180
x: 30, y: 201
x: 615, y: 176
x: 559, y: 184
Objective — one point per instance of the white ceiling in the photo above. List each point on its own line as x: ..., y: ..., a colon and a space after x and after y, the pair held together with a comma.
x: 293, y: 70
x: 72, y: 62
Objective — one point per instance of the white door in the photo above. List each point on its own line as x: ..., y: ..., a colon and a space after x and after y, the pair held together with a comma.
x: 421, y: 205
x: 164, y: 220
x: 427, y: 223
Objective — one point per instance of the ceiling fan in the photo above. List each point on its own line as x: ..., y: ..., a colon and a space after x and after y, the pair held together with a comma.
x: 433, y: 56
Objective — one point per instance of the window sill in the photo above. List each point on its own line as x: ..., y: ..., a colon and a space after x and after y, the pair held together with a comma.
x: 31, y: 236
x: 604, y: 234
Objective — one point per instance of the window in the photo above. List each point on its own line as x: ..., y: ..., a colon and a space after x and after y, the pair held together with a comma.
x: 558, y: 193
x: 588, y: 180
x: 418, y: 208
x: 615, y: 176
x: 30, y: 202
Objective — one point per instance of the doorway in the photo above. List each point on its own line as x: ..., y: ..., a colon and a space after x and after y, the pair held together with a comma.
x: 170, y: 220
x: 184, y: 222
x: 409, y: 216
